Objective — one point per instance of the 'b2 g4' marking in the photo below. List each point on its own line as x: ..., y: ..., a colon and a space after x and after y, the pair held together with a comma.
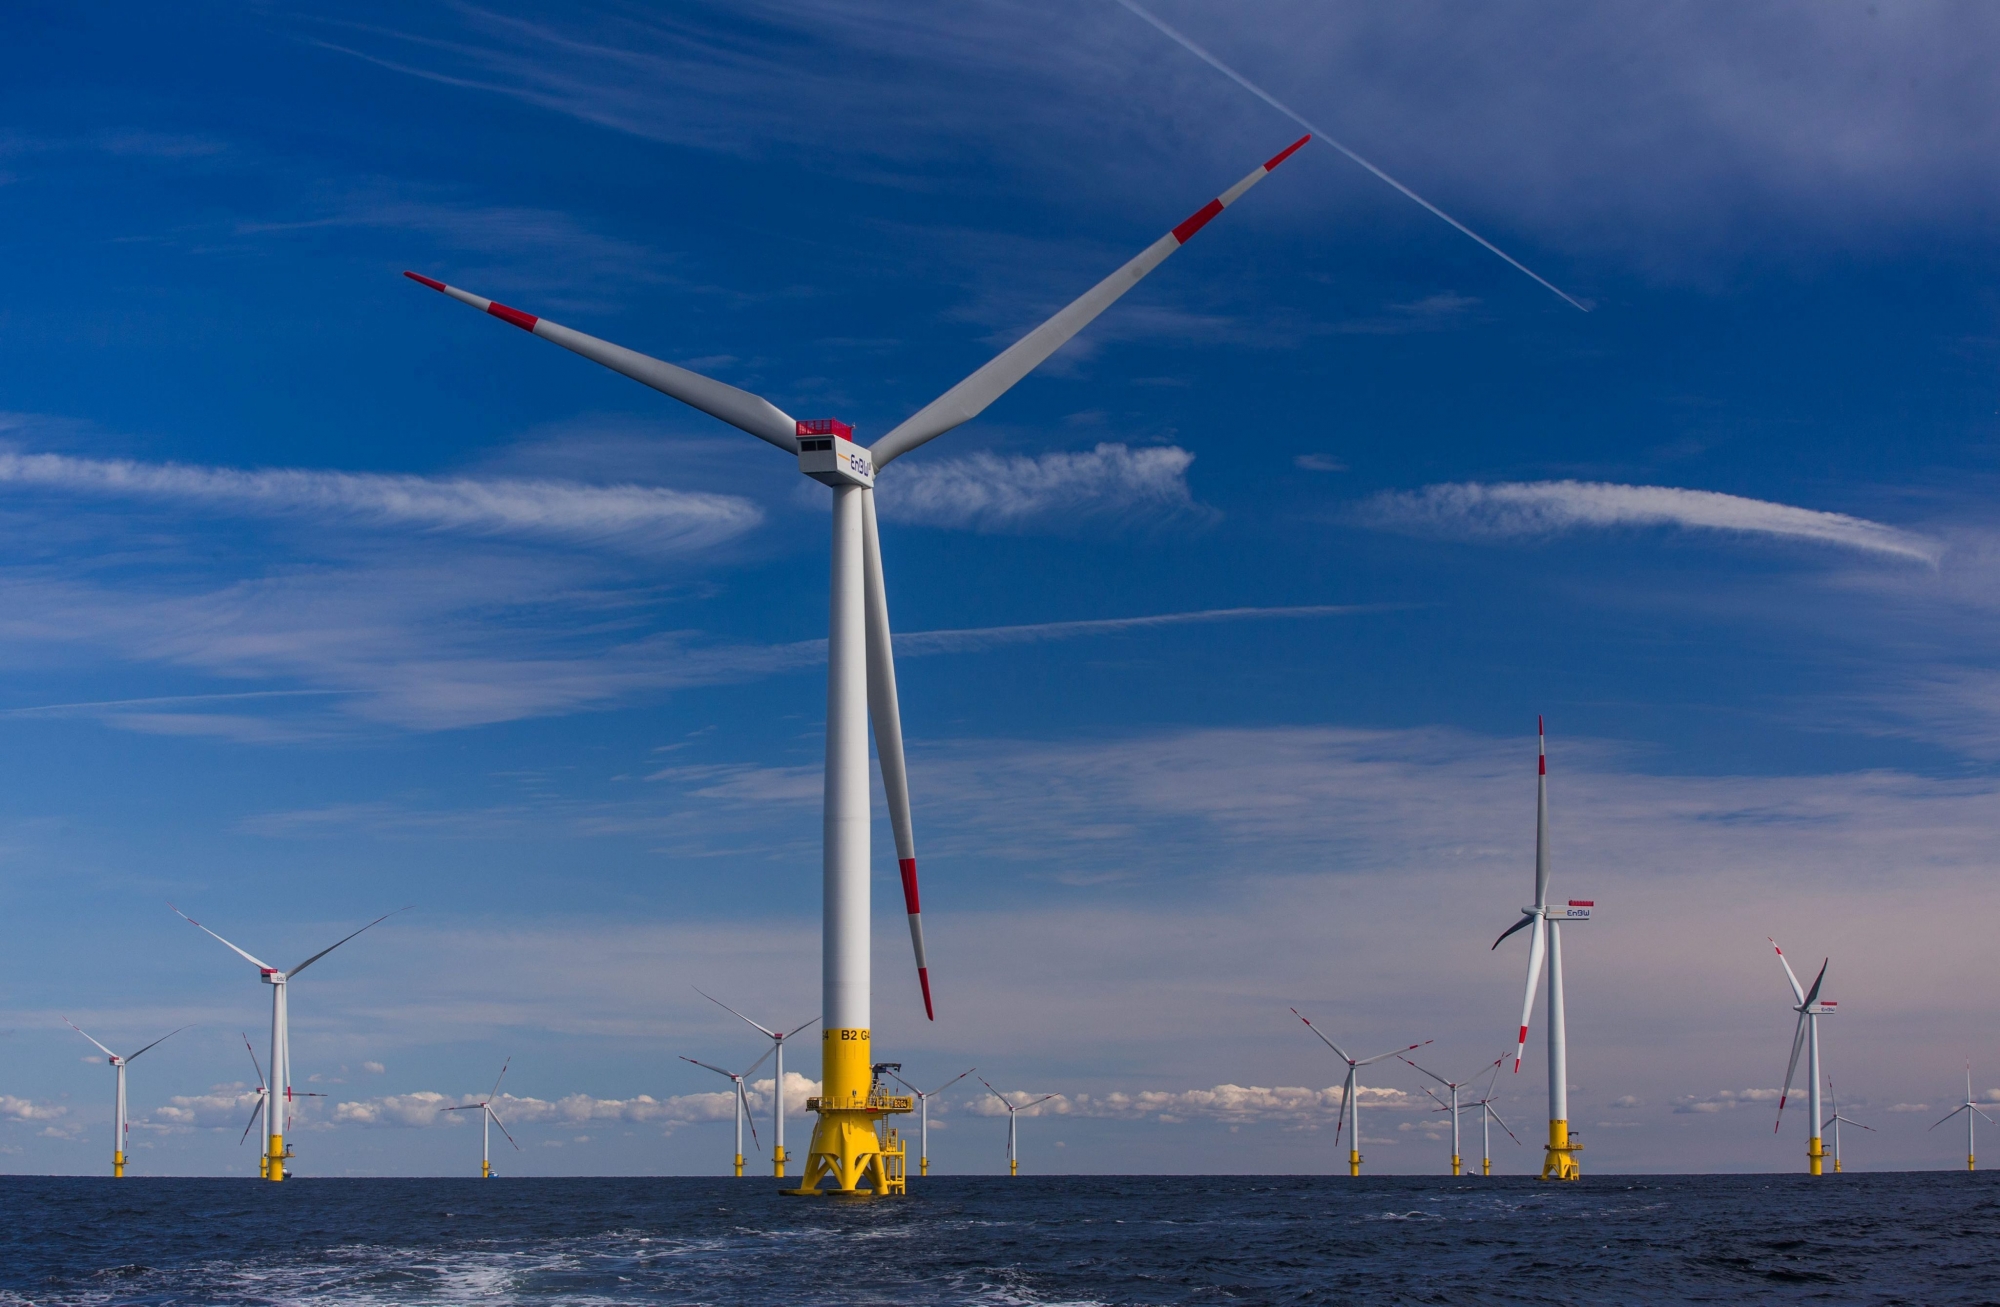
x: 854, y: 1034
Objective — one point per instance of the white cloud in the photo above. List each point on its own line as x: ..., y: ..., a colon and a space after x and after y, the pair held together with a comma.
x: 1910, y: 1107
x: 225, y: 1107
x: 1540, y: 508
x: 1728, y: 1100
x: 998, y: 493
x: 27, y: 1109
x: 373, y: 1068
x: 424, y: 1108
x: 647, y: 519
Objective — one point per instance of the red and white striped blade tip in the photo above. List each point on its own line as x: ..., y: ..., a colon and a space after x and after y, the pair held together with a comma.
x: 422, y: 280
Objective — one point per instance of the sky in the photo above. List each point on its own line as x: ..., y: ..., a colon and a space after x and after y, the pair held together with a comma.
x: 1222, y: 637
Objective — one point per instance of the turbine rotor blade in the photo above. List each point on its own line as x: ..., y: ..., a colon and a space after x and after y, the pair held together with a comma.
x: 1948, y: 1116
x: 1368, y: 1061
x: 1432, y: 1074
x: 886, y: 716
x: 254, y: 1112
x: 733, y: 1012
x: 769, y: 1053
x: 739, y: 408
x: 1798, y: 990
x: 1791, y: 1069
x: 495, y: 1117
x: 949, y: 1083
x: 796, y: 1029
x: 1497, y: 1121
x: 1812, y: 995
x: 706, y: 1066
x: 337, y: 943
x: 494, y: 1092
x: 86, y: 1034
x: 969, y: 398
x: 1322, y: 1038
x: 259, y: 963
x: 156, y: 1043
x: 1537, y: 949
x: 1527, y: 919
x: 1541, y: 816
x: 743, y: 1096
x: 253, y: 1060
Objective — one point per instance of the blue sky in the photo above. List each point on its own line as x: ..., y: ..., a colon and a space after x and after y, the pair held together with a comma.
x: 321, y: 595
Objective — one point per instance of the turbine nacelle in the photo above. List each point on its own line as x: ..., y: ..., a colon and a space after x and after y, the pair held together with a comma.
x: 828, y: 454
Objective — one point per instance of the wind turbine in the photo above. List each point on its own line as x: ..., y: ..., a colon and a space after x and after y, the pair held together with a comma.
x: 119, y: 1127
x: 1835, y: 1121
x: 273, y: 1165
x: 488, y: 1119
x: 1350, y: 1108
x: 924, y: 1111
x: 1454, y: 1086
x: 861, y: 674
x: 1810, y: 1009
x: 1488, y: 1118
x: 1559, y: 1160
x: 736, y: 1079
x: 1971, y: 1109
x: 263, y: 1097
x: 1014, y: 1111
x: 777, y: 1038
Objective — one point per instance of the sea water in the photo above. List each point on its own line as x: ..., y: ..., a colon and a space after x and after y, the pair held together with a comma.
x: 1926, y: 1238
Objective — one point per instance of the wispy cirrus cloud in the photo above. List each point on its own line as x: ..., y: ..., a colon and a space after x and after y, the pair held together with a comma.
x: 1525, y: 509
x: 647, y: 519
x: 1015, y: 492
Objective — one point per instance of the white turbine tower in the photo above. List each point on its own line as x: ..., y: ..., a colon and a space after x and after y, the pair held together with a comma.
x: 1835, y: 1120
x: 861, y: 677
x: 1810, y: 1009
x: 1014, y: 1111
x: 488, y: 1119
x: 273, y: 1165
x: 777, y: 1038
x: 1971, y: 1110
x: 119, y: 1126
x: 924, y: 1097
x: 1488, y: 1118
x: 1454, y: 1086
x: 736, y: 1079
x: 1350, y: 1108
x: 1546, y: 919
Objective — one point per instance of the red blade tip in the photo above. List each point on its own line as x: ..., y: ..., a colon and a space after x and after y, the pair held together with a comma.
x: 1287, y: 152
x: 924, y: 979
x: 422, y: 280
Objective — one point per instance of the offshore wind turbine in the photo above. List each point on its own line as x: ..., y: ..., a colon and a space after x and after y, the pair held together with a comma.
x: 1014, y: 1111
x: 1488, y: 1118
x: 1350, y: 1108
x: 777, y: 1038
x: 1835, y: 1121
x: 1971, y: 1109
x: 488, y: 1119
x: 1547, y: 919
x: 1810, y: 1009
x: 736, y: 1079
x: 924, y: 1110
x: 119, y: 1126
x: 1454, y: 1086
x: 272, y: 1167
x: 861, y: 673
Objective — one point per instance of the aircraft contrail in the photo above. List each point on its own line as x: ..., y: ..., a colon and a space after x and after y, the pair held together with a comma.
x: 1286, y: 110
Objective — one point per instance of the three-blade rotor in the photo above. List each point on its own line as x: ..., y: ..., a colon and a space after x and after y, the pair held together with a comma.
x: 961, y: 403
x: 1806, y: 999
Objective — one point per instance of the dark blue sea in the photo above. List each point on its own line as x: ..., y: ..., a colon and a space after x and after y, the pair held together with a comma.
x: 1924, y: 1238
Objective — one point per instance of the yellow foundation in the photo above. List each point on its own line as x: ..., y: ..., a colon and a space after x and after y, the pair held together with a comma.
x: 274, y: 1161
x: 778, y: 1160
x: 1559, y: 1162
x: 923, y: 1166
x: 485, y: 1169
x: 1969, y: 1160
x: 1455, y: 1170
x: 1836, y: 1166
x: 1354, y: 1161
x: 118, y: 1163
x: 1815, y: 1157
x: 739, y: 1166
x: 847, y: 1148
x: 1486, y: 1166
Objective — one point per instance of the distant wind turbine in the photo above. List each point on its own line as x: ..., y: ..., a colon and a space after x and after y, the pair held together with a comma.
x: 1806, y: 1035
x: 275, y: 1153
x: 1454, y: 1086
x: 924, y: 1111
x: 488, y: 1119
x: 736, y: 1079
x: 1014, y: 1111
x: 1971, y: 1109
x: 1547, y: 919
x: 777, y: 1039
x: 1835, y: 1121
x: 1350, y: 1108
x: 120, y: 1129
x: 1488, y: 1118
